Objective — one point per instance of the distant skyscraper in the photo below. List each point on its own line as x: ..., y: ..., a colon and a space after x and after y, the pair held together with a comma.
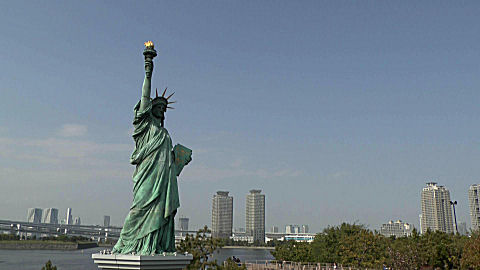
x: 222, y: 215
x: 68, y: 217
x: 293, y: 229
x: 50, y: 215
x: 473, y: 198
x: 255, y: 215
x: 77, y: 221
x: 274, y: 229
x: 183, y: 223
x: 34, y: 215
x: 397, y: 229
x: 106, y: 221
x: 436, y: 209
x: 462, y: 228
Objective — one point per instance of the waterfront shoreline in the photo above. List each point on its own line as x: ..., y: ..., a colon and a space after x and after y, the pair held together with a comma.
x: 44, y: 245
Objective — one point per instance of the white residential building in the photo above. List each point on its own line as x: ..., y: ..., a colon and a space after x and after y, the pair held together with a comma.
x: 222, y: 215
x: 255, y: 215
x: 397, y: 229
x: 436, y: 209
x: 473, y: 199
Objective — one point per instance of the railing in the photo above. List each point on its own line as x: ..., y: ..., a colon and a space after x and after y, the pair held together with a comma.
x: 284, y: 265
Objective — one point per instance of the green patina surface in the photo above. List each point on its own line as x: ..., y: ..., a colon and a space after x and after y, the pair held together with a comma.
x: 149, y: 226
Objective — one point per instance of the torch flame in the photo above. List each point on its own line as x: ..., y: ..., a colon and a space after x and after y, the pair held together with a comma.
x: 148, y: 44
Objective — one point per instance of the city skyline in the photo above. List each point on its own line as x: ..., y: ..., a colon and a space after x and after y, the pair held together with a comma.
x: 330, y: 109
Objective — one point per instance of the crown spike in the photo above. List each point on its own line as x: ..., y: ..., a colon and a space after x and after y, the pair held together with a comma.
x: 164, y: 91
x: 156, y: 92
x: 170, y: 95
x: 170, y: 102
x: 170, y: 107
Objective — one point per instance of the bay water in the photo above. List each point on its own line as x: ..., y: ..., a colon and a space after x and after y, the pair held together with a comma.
x: 82, y: 259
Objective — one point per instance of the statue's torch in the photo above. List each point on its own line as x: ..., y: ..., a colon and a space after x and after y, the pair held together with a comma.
x: 149, y: 54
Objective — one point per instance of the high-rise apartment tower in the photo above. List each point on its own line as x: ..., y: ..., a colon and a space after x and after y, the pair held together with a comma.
x: 473, y: 198
x: 436, y: 209
x: 222, y: 215
x: 255, y: 215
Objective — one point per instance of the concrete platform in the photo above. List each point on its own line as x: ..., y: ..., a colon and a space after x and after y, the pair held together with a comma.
x: 141, y: 262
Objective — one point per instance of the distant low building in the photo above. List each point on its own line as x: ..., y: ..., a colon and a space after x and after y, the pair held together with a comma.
x: 301, y: 237
x: 242, y: 236
x: 397, y: 229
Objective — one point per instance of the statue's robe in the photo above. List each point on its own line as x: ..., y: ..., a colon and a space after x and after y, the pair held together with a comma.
x: 149, y: 226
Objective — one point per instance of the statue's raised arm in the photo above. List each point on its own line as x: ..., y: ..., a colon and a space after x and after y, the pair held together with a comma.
x: 149, y: 54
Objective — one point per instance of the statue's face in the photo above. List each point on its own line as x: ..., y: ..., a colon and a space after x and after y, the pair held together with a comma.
x: 158, y: 111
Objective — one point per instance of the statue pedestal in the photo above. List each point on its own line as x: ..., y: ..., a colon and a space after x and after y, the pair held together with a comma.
x: 140, y: 262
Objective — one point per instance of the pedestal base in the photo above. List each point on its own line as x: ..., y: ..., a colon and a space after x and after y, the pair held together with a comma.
x: 141, y: 262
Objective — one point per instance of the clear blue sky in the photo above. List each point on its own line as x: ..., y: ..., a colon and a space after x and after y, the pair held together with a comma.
x: 338, y: 111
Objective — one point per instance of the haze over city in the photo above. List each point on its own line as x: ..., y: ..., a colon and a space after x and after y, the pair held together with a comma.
x: 337, y: 112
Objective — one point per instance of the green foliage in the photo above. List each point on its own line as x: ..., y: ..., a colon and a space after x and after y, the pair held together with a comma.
x: 49, y: 266
x: 405, y: 253
x: 350, y: 244
x: 231, y: 265
x: 9, y: 237
x: 441, y: 250
x: 356, y: 246
x: 231, y: 242
x: 471, y: 253
x: 293, y: 251
x: 201, y: 247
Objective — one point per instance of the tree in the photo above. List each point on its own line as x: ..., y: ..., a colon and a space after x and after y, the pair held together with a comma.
x: 441, y: 250
x: 404, y: 252
x: 350, y: 244
x: 201, y: 247
x: 231, y: 265
x: 49, y: 266
x: 471, y: 252
x: 363, y: 249
x: 293, y: 251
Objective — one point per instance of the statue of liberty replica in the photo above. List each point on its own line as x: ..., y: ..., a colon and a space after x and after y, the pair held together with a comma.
x: 149, y: 226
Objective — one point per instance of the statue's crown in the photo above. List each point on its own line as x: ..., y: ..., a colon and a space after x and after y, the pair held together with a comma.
x: 162, y: 100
